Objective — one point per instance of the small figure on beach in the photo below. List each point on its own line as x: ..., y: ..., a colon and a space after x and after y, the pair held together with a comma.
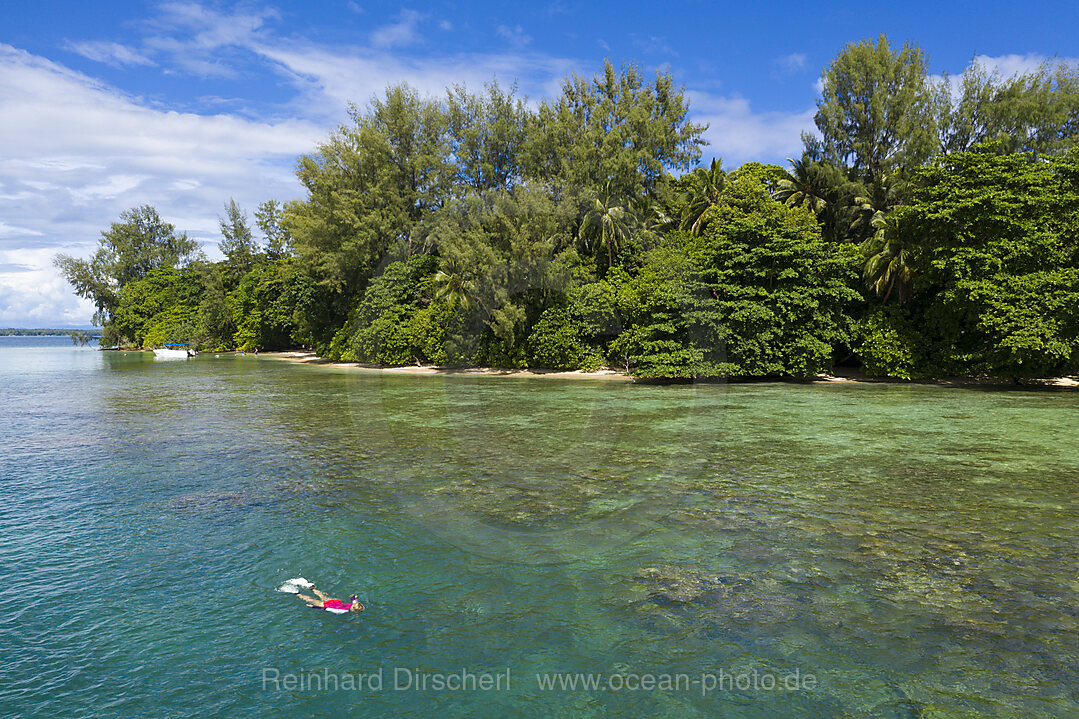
x: 325, y: 601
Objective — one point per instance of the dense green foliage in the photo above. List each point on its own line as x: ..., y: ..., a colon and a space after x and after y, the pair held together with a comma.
x: 783, y: 295
x: 614, y: 131
x: 130, y: 249
x: 995, y: 241
x: 928, y: 229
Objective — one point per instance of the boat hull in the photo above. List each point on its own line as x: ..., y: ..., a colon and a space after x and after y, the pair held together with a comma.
x: 166, y: 353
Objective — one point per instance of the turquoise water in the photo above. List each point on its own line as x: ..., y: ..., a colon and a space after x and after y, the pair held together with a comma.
x: 913, y: 549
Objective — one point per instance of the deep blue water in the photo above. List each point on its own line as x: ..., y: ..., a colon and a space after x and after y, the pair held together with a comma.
x: 911, y: 548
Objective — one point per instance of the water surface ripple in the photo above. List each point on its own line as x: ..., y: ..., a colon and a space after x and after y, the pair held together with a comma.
x: 913, y: 548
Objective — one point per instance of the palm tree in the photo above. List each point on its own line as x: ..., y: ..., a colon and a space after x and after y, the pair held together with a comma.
x: 452, y: 285
x: 607, y: 223
x: 807, y: 183
x: 889, y: 266
x: 876, y: 203
x: 703, y: 190
x: 651, y: 219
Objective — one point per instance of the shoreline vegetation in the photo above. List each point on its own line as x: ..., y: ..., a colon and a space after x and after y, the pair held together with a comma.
x: 927, y: 230
x: 842, y: 375
x: 310, y: 358
x: 46, y: 332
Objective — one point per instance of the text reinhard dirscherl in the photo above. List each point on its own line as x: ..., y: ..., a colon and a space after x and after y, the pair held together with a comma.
x: 404, y: 679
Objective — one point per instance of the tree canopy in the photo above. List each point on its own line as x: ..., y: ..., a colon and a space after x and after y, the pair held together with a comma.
x: 927, y: 230
x: 875, y: 112
x: 129, y: 250
x: 994, y: 242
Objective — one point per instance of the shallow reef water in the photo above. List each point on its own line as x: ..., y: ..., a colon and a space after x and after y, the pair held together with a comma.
x: 912, y: 548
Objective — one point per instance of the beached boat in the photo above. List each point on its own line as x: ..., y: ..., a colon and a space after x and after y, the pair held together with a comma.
x: 173, y: 352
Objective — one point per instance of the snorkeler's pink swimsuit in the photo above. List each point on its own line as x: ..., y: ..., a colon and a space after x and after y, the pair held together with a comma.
x: 334, y: 604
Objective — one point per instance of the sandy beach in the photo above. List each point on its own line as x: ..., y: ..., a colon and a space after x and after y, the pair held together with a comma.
x: 312, y: 358
x: 845, y: 375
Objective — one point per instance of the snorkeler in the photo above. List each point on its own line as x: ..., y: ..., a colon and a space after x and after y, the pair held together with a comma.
x: 325, y: 601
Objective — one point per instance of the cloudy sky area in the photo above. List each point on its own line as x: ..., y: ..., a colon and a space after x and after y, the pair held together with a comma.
x: 184, y: 105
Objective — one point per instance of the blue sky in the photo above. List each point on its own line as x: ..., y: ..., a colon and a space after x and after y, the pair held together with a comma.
x: 105, y: 106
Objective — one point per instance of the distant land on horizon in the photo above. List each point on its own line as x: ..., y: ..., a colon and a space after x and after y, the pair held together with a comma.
x: 44, y: 332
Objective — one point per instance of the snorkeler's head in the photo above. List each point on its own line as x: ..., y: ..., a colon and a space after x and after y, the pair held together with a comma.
x: 356, y: 606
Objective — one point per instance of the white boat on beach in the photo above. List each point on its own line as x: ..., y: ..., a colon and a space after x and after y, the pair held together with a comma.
x: 174, y: 352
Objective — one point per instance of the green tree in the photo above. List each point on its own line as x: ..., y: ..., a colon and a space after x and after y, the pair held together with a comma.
x: 129, y: 250
x: 806, y: 183
x: 668, y: 316
x: 512, y: 249
x: 556, y: 341
x: 875, y: 113
x: 452, y: 285
x: 825, y: 190
x: 607, y: 224
x: 260, y: 309
x: 270, y: 219
x: 160, y: 307
x: 782, y: 294
x: 215, y: 328
x: 874, y: 203
x: 998, y: 261
x: 889, y: 267
x: 614, y: 128
x: 1028, y: 112
x: 486, y: 133
x: 382, y: 318
x: 237, y: 243
x: 889, y: 345
x: 964, y: 111
x: 701, y: 189
x: 575, y: 333
x: 368, y: 187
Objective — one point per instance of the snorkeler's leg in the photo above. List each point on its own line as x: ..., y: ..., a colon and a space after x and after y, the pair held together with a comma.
x: 322, y: 595
x: 311, y: 601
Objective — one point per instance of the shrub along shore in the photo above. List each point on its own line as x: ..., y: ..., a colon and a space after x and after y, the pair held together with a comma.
x: 841, y: 375
x: 930, y: 228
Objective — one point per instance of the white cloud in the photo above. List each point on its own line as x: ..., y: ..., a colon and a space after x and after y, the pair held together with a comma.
x: 791, y: 63
x: 654, y: 44
x: 77, y: 152
x: 738, y: 134
x: 33, y: 295
x: 110, y: 188
x: 1009, y: 65
x: 398, y: 34
x: 8, y: 231
x: 66, y: 175
x: 201, y: 40
x: 209, y: 29
x: 329, y: 80
x: 445, y: 25
x: 1004, y: 66
x: 110, y: 53
x: 514, y: 35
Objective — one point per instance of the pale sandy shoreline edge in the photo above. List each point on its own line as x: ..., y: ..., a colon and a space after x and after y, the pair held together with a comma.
x: 312, y: 359
x: 842, y: 376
